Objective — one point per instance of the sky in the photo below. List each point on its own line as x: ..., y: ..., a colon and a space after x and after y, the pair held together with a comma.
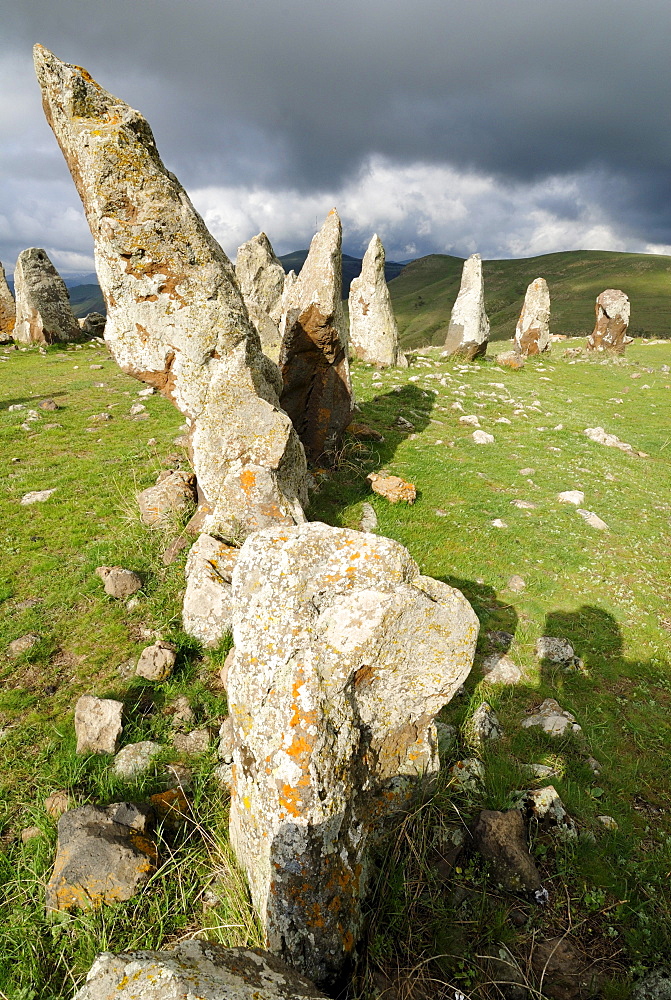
x: 505, y: 127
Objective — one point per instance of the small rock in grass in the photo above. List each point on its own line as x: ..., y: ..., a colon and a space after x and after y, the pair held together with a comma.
x: 392, y: 488
x: 516, y: 583
x: 135, y: 758
x: 100, y: 416
x: 523, y: 504
x: 500, y: 639
x: 197, y: 741
x: 552, y: 719
x: 502, y: 420
x: 369, y: 518
x: 172, y: 494
x: 157, y: 661
x: 446, y: 738
x: 137, y: 408
x: 594, y: 765
x: 543, y: 771
x: 440, y: 513
x: 500, y: 669
x: 170, y: 806
x: 181, y: 712
x: 95, y: 368
x: 97, y: 724
x: 119, y: 582
x: 482, y: 437
x: 482, y: 727
x: 510, y: 359
x: 656, y: 985
x: 22, y: 644
x: 149, y: 391
x: 608, y: 822
x: 48, y: 404
x: 498, y: 523
x: 403, y: 424
x: 37, y: 496
x: 362, y: 432
x: 571, y: 496
x: 545, y: 806
x: 527, y: 472
x: 57, y: 803
x: 548, y: 647
x: 30, y: 833
x: 15, y: 407
x: 592, y: 519
x: 472, y: 421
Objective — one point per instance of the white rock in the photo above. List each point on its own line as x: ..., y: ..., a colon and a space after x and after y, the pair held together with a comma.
x: 599, y: 435
x: 552, y: 719
x: 261, y: 278
x: 37, y: 496
x: 468, y: 332
x: 156, y: 661
x: 592, y: 519
x: 612, y: 320
x: 372, y: 325
x: 608, y: 822
x: 571, y: 496
x: 498, y: 668
x: 498, y: 523
x: 473, y: 421
x: 532, y: 334
x: 97, y: 724
x: 207, y: 611
x: 482, y: 437
x: 135, y: 758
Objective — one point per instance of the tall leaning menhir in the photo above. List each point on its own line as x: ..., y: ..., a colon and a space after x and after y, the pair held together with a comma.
x: 176, y: 317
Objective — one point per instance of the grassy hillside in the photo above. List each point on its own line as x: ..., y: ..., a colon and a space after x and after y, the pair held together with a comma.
x: 425, y: 291
x: 432, y: 910
x: 85, y: 299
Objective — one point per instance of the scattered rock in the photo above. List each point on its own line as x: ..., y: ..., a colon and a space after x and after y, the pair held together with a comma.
x: 37, y: 496
x: 523, y: 504
x: 226, y: 741
x: 30, y: 833
x: 571, y: 496
x: 137, y: 408
x: 405, y: 425
x: 472, y: 420
x: 93, y: 325
x: 468, y: 332
x: 97, y: 724
x: 392, y: 488
x: 556, y: 650
x: 532, y: 333
x: 57, y: 803
x: 120, y: 583
x: 181, y: 712
x: 516, y: 583
x: 482, y: 727
x: 608, y: 822
x: 362, y: 432
x: 104, y: 855
x: 447, y: 739
x: 170, y: 806
x: 498, y: 523
x: 48, y: 404
x: 197, y: 741
x: 510, y: 359
x: 502, y: 838
x: 594, y: 765
x: 599, y: 435
x: 43, y: 312
x: 503, y: 969
x: 156, y: 662
x: 22, y: 644
x: 134, y: 759
x: 368, y: 518
x: 612, y: 319
x: 552, y: 719
x: 372, y: 325
x: 500, y: 669
x: 592, y: 519
x: 195, y: 969
x: 482, y: 437
x: 500, y: 639
x: 544, y: 806
x: 208, y: 609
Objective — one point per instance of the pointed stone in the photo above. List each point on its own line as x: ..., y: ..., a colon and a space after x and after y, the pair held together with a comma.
x: 317, y: 391
x: 7, y: 309
x: 468, y: 332
x: 43, y: 313
x: 176, y: 318
x: 343, y: 656
x: 532, y: 334
x: 372, y: 325
x: 612, y: 321
x: 261, y: 279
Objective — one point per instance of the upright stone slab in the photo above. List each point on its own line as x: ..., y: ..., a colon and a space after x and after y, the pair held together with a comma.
x: 261, y: 279
x: 43, y: 313
x: 317, y: 392
x: 468, y: 332
x: 7, y: 309
x: 343, y: 656
x: 373, y: 331
x: 612, y: 322
x: 532, y: 334
x: 175, y: 315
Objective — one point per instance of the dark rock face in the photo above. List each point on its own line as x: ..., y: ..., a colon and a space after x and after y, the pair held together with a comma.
x: 501, y: 837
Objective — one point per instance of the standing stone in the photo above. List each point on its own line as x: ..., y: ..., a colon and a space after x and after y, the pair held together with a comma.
x: 372, y: 325
x: 7, y: 309
x: 343, y: 656
x: 468, y: 332
x: 317, y: 391
x: 532, y: 334
x: 261, y: 279
x: 43, y: 313
x: 612, y: 321
x: 175, y: 316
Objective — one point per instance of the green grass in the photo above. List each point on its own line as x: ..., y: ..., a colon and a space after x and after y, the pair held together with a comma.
x: 607, y: 592
x: 424, y: 293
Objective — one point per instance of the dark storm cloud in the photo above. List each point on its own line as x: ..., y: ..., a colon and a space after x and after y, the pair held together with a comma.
x: 299, y: 94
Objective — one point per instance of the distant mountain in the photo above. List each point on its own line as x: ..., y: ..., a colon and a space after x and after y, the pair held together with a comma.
x: 351, y: 267
x: 85, y: 299
x: 424, y: 293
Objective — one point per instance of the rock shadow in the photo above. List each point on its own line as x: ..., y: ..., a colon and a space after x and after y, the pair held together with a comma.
x: 593, y: 632
x: 30, y: 402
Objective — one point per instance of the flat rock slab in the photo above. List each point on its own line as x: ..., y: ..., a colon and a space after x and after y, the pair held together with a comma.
x: 195, y: 969
x: 97, y: 724
x: 37, y: 496
x: 104, y: 855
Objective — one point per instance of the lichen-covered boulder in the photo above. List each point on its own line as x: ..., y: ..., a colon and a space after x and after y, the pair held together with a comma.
x: 373, y: 331
x: 468, y: 332
x: 43, y: 312
x: 207, y: 612
x: 343, y: 656
x: 195, y: 969
x: 172, y: 495
x: 532, y: 333
x: 7, y: 309
x: 612, y: 321
x: 176, y: 318
x: 261, y: 279
x: 317, y: 392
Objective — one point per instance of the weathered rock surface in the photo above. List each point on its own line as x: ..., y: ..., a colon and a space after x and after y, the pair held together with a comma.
x: 502, y: 837
x: 97, y: 724
x: 207, y: 612
x: 175, y: 315
x: 119, y: 582
x: 104, y: 855
x: 532, y: 333
x: 93, y: 324
x: 468, y: 332
x: 560, y: 651
x: 261, y: 279
x: 135, y: 758
x: 482, y: 727
x: 57, y: 803
x: 22, y: 644
x: 343, y: 657
x: 373, y: 331
x: 317, y: 391
x: 392, y: 488
x: 173, y: 493
x: 195, y: 969
x: 510, y: 359
x: 552, y: 719
x: 600, y: 436
x: 157, y: 661
x: 43, y: 312
x: 500, y: 669
x: 7, y: 309
x: 612, y: 321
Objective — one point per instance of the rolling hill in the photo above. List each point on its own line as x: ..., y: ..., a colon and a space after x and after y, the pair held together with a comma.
x: 424, y: 292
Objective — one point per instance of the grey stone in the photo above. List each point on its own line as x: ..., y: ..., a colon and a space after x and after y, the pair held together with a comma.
x: 43, y: 313
x: 544, y: 806
x: 656, y: 985
x: 226, y: 741
x: 556, y: 650
x: 93, y: 325
x: 482, y: 727
x: 36, y: 496
x: 468, y: 776
x: 195, y: 969
x: 197, y: 741
x: 22, y: 644
x: 176, y: 318
x: 372, y: 325
x: 156, y: 661
x: 119, y: 582
x: 502, y: 838
x: 516, y: 583
x: 532, y: 334
x: 482, y: 437
x: 552, y: 719
x: 368, y: 517
x: 104, y: 855
x: 592, y: 519
x: 172, y: 495
x: 135, y: 758
x: 207, y: 610
x: 97, y: 724
x: 261, y: 278
x: 498, y: 668
x: 468, y: 332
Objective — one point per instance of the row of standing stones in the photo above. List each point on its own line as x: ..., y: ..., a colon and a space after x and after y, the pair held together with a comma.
x: 343, y: 652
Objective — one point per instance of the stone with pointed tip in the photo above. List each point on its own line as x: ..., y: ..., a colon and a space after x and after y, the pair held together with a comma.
x: 261, y: 279
x: 43, y: 313
x: 372, y: 325
x: 468, y: 332
x: 532, y: 334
